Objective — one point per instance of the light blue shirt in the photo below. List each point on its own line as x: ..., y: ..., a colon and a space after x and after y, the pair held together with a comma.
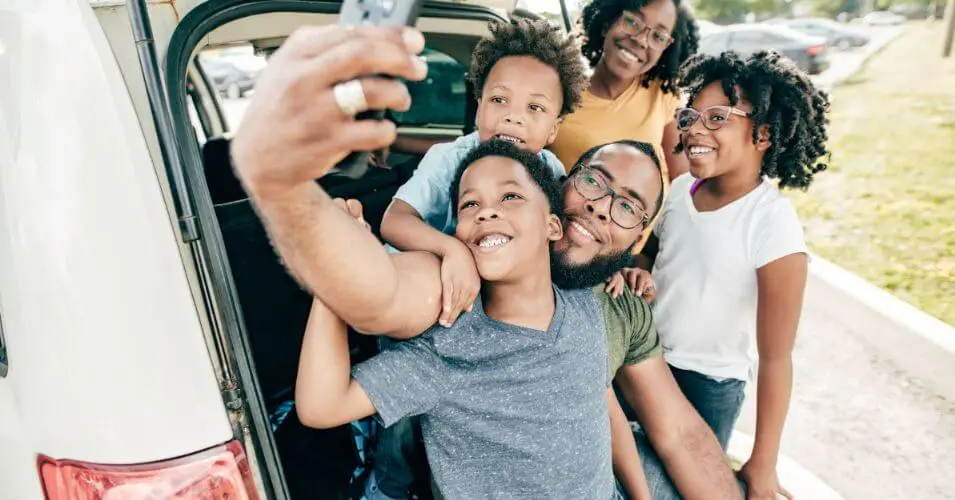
x: 429, y: 189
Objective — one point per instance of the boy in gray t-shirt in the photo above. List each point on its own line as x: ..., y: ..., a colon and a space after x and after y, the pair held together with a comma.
x: 513, y: 398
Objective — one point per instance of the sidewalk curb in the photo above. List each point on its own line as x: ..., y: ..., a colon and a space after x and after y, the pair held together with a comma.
x: 917, y: 342
x: 796, y: 479
x: 920, y: 345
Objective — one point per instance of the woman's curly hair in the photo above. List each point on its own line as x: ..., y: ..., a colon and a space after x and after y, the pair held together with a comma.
x: 538, y: 39
x: 599, y: 15
x: 782, y: 97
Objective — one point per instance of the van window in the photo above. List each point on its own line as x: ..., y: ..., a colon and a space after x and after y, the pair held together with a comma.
x: 440, y: 100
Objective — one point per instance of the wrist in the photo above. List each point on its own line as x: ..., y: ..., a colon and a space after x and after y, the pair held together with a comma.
x: 763, y: 458
x: 449, y: 246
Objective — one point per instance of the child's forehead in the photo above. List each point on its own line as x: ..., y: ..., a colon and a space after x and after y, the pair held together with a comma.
x: 491, y: 172
x: 713, y: 94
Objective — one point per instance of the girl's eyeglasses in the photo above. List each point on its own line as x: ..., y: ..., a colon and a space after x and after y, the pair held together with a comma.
x: 623, y: 211
x: 713, y: 117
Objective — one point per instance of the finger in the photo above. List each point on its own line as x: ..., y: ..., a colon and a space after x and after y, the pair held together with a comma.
x: 342, y: 204
x: 355, y: 208
x: 362, y: 135
x: 632, y: 280
x: 784, y: 492
x: 366, y: 56
x: 446, y: 294
x: 380, y: 94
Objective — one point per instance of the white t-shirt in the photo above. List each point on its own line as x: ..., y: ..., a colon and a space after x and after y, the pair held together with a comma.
x: 705, y: 274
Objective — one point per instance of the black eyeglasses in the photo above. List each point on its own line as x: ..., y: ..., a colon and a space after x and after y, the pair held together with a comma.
x: 713, y: 117
x: 623, y: 211
x: 659, y: 39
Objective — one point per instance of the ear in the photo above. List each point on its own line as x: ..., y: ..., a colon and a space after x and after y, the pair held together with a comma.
x: 553, y: 132
x: 555, y: 230
x: 763, y: 141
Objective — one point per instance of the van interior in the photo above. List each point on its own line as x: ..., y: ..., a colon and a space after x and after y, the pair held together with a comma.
x: 206, y: 105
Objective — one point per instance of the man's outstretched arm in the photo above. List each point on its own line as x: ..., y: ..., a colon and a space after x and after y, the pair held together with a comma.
x: 294, y: 132
x: 688, y: 448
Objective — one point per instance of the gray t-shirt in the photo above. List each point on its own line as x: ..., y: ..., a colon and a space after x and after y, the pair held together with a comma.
x: 506, y: 411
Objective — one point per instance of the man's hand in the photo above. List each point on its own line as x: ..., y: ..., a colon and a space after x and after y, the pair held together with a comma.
x: 761, y: 480
x: 294, y: 130
x: 353, y: 208
x: 638, y: 280
x: 460, y: 283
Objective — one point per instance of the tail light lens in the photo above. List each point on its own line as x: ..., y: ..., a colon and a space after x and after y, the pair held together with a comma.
x: 816, y: 50
x: 220, y: 473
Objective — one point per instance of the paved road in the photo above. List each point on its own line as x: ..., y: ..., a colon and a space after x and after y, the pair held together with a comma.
x: 858, y: 422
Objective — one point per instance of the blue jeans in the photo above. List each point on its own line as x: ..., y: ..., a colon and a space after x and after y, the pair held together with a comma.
x: 718, y: 402
x: 661, y: 487
x: 396, y: 455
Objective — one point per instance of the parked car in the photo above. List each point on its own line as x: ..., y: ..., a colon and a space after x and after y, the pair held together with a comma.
x: 809, y: 53
x: 229, y: 77
x: 883, y: 18
x: 707, y: 27
x: 836, y: 35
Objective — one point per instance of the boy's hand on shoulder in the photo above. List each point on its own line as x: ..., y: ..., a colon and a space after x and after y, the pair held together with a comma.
x: 460, y: 283
x: 639, y: 281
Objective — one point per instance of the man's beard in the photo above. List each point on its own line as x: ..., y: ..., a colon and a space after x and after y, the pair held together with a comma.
x: 571, y: 276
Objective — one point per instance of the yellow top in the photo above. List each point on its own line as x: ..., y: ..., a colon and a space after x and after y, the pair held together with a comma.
x: 639, y: 114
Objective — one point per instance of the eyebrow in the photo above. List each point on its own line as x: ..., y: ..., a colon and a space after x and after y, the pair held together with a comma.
x: 644, y: 19
x: 606, y: 173
x: 508, y: 182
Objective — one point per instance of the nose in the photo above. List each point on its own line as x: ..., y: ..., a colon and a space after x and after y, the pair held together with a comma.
x: 488, y: 213
x: 643, y: 38
x: 600, y: 208
x: 514, y: 119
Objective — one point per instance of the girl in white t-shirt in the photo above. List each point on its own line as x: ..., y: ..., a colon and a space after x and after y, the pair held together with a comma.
x: 732, y: 262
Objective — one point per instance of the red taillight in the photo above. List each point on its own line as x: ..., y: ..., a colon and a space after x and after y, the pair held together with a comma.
x: 815, y: 50
x: 220, y: 473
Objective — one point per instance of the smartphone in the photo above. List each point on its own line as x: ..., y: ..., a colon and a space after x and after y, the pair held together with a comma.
x: 373, y: 13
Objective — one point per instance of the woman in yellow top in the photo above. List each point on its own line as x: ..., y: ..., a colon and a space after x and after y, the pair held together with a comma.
x: 635, y: 48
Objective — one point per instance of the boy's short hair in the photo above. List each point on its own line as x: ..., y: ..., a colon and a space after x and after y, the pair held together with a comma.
x: 782, y: 97
x: 536, y: 169
x: 538, y: 39
x: 643, y: 147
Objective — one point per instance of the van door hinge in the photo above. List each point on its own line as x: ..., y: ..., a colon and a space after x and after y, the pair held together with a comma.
x: 189, y: 226
x: 232, y: 396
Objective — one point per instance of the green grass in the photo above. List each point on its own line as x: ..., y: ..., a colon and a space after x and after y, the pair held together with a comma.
x: 885, y: 209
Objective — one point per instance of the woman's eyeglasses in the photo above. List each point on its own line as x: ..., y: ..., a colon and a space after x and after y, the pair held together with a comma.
x: 659, y: 39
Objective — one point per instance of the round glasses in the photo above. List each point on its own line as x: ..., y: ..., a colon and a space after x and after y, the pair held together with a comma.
x: 659, y: 39
x: 623, y: 211
x: 713, y: 117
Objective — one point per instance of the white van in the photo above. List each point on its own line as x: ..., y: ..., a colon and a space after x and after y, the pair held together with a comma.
x: 150, y: 337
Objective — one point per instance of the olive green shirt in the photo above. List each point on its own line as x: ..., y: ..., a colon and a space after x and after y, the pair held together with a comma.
x: 631, y: 336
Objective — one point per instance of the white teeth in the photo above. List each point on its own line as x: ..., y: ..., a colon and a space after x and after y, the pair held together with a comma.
x: 509, y: 138
x: 700, y: 150
x: 493, y: 240
x: 582, y: 230
x: 629, y: 56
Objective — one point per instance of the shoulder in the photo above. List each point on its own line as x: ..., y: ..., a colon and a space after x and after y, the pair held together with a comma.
x: 774, y: 208
x: 556, y: 166
x: 450, y: 152
x: 628, y: 309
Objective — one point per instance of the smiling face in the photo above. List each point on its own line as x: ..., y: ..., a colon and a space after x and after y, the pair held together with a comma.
x: 713, y: 153
x: 636, y: 40
x: 505, y: 220
x: 590, y: 232
x: 520, y: 103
